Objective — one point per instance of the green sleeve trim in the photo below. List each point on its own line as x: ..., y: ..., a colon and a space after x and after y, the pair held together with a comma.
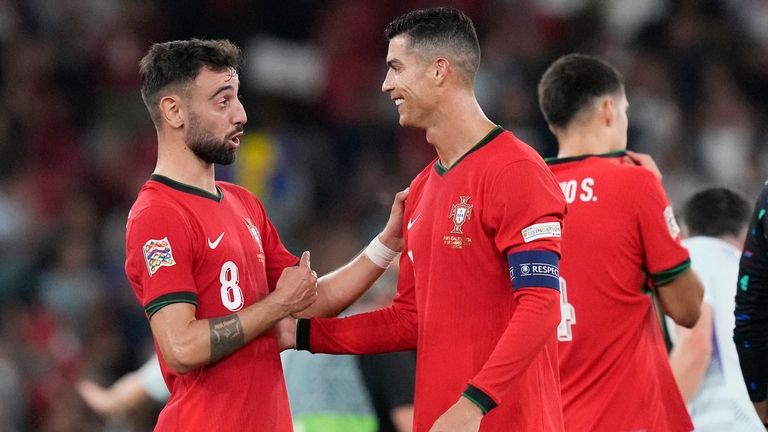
x: 166, y: 299
x: 667, y: 276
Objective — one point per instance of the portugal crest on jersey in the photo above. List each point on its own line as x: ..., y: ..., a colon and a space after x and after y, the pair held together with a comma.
x: 256, y: 236
x: 460, y: 213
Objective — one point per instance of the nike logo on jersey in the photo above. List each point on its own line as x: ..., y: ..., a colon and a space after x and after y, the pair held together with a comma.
x: 413, y: 221
x: 214, y: 244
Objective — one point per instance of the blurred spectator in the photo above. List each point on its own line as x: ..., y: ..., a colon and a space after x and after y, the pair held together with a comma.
x: 74, y: 137
x: 143, y: 388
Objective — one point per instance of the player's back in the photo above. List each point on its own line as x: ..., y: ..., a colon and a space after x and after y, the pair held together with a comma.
x: 618, y: 231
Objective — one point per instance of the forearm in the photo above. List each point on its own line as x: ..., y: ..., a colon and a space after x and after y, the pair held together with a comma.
x: 118, y: 399
x: 688, y: 370
x: 692, y: 353
x: 342, y: 287
x: 384, y: 330
x: 532, y: 326
x: 189, y: 343
x: 681, y: 298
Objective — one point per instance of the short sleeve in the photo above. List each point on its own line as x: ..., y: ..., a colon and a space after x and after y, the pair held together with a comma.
x: 160, y: 258
x: 526, y: 208
x: 664, y: 256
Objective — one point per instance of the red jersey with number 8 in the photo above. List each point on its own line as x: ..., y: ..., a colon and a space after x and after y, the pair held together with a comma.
x: 221, y: 254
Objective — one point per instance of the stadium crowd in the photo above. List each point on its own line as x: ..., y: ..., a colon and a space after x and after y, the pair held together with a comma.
x: 322, y: 148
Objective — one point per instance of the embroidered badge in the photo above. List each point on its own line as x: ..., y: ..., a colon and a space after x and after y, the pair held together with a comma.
x: 540, y: 231
x: 256, y: 236
x: 158, y: 253
x: 460, y: 213
x: 672, y: 226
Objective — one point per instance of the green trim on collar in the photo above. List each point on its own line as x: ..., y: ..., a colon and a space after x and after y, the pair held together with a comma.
x: 556, y: 160
x: 442, y: 169
x: 187, y: 188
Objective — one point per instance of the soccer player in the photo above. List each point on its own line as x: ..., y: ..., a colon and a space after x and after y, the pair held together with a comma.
x: 710, y: 378
x: 751, y: 332
x: 206, y: 263
x: 620, y: 238
x: 478, y: 285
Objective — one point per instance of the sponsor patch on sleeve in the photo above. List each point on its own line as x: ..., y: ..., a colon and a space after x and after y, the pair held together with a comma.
x: 672, y: 226
x: 540, y: 231
x: 534, y: 269
x: 158, y: 253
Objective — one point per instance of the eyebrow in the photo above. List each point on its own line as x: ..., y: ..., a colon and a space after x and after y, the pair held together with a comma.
x: 221, y: 89
x: 394, y: 62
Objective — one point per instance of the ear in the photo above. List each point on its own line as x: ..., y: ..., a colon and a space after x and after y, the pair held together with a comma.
x: 607, y: 111
x: 170, y: 110
x: 441, y: 68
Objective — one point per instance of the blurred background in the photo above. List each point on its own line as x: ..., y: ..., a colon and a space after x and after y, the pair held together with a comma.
x: 323, y: 149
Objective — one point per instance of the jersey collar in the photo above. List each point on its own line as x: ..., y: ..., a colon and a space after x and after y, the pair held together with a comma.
x: 556, y: 160
x: 442, y: 169
x: 187, y: 188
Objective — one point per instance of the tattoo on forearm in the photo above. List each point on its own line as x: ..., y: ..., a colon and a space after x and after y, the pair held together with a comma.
x: 226, y: 336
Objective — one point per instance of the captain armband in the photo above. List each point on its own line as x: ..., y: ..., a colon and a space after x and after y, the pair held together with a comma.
x: 534, y: 269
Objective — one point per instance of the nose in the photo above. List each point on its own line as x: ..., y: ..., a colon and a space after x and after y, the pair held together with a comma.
x: 387, y: 85
x: 240, y: 117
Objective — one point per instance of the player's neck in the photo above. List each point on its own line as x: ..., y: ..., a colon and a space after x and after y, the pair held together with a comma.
x: 458, y: 127
x: 581, y: 142
x: 177, y: 162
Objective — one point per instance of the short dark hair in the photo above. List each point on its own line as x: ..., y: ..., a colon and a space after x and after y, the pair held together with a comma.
x: 571, y: 83
x: 177, y: 63
x: 715, y: 212
x: 439, y: 30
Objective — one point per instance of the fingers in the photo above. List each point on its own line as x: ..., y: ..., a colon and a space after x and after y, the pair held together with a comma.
x: 646, y: 161
x: 399, y: 203
x: 304, y: 260
x: 402, y: 195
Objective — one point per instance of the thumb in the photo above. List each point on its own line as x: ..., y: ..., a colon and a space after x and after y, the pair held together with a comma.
x: 304, y: 260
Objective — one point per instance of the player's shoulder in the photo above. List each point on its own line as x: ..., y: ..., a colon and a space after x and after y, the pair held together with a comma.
x: 156, y: 204
x: 420, y: 178
x: 152, y: 196
x: 507, y: 148
x: 231, y: 188
x: 240, y: 193
x: 614, y: 164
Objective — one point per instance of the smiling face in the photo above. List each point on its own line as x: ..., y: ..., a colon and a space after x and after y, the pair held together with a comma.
x: 409, y: 82
x: 215, y: 116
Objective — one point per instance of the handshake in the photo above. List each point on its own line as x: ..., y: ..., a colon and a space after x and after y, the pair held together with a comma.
x: 296, y: 291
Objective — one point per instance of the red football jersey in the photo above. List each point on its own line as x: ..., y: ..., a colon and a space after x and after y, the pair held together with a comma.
x: 620, y: 236
x: 455, y: 303
x: 221, y: 254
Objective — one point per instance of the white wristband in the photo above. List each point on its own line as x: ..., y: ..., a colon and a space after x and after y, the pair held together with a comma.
x: 381, y: 255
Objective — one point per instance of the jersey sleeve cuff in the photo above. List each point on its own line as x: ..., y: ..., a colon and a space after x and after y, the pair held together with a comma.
x: 479, y: 398
x: 166, y: 299
x: 302, y: 334
x: 668, y: 276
